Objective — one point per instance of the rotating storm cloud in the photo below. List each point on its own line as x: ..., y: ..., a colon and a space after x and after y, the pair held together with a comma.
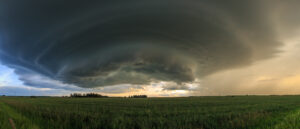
x: 106, y: 43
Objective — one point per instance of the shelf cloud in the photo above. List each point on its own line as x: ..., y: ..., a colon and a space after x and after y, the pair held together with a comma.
x: 104, y: 43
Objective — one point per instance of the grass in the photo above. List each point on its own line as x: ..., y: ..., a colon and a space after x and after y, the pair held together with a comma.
x: 291, y: 121
x: 7, y: 113
x: 239, y: 112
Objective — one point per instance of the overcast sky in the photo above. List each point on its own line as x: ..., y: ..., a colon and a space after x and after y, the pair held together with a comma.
x: 158, y: 48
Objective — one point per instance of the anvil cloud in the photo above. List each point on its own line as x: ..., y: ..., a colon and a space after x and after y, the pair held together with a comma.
x: 104, y: 42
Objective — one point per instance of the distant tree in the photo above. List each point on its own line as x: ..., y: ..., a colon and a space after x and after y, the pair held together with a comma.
x: 76, y: 95
x: 87, y: 95
x: 138, y: 96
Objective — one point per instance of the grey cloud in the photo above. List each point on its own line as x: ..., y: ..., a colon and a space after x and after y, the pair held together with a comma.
x: 27, y: 91
x: 176, y: 87
x: 100, y: 43
x: 119, y: 89
x: 38, y: 81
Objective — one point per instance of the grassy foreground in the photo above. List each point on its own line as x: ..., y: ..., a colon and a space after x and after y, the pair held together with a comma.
x: 239, y: 112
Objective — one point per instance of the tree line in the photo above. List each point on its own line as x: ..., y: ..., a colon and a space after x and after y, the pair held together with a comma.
x: 87, y: 95
x: 96, y: 95
x: 138, y: 96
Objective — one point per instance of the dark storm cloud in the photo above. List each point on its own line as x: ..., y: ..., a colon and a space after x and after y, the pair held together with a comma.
x: 29, y: 78
x: 99, y: 43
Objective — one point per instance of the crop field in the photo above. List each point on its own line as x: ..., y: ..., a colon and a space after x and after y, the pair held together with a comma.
x: 230, y: 112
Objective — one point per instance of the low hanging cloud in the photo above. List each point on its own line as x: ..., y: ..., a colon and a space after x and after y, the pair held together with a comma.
x: 39, y: 81
x: 104, y: 43
x: 30, y: 91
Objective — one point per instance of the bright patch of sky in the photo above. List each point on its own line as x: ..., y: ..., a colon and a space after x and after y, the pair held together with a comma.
x: 8, y: 77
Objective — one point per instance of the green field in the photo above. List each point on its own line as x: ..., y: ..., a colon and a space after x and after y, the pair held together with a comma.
x: 238, y: 112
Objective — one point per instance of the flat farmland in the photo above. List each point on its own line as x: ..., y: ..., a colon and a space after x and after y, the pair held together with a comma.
x: 227, y: 112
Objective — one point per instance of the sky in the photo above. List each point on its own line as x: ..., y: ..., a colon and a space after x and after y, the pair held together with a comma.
x: 164, y: 48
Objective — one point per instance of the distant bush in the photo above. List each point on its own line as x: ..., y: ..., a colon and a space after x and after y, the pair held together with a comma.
x: 138, y: 96
x: 87, y: 95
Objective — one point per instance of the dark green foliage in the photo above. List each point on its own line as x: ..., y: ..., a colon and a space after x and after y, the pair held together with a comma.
x: 249, y: 112
x: 87, y: 95
x: 138, y: 96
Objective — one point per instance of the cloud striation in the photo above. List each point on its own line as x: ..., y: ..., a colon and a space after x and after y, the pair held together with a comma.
x: 101, y: 43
